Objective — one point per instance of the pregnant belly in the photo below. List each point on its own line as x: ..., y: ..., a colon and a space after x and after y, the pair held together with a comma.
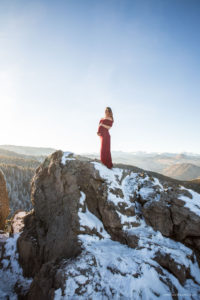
x: 105, y: 132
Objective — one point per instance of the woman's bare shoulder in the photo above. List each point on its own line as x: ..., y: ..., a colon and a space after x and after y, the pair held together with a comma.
x: 107, y: 119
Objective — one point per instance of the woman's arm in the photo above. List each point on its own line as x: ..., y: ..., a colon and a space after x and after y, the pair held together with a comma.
x: 106, y: 126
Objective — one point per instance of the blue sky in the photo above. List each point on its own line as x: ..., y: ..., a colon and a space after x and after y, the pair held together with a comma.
x: 63, y: 62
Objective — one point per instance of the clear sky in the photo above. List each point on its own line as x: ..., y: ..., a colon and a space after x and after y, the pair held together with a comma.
x: 62, y: 62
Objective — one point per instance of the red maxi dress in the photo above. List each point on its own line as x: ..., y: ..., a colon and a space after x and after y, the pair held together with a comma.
x: 105, y: 155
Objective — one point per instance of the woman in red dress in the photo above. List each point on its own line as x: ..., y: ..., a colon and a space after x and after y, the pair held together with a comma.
x: 104, y: 125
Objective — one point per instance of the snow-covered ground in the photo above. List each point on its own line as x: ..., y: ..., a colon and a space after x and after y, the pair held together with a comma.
x: 11, y: 272
x: 107, y: 269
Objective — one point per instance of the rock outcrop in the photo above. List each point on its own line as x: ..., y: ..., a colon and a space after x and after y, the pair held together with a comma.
x: 4, y: 201
x: 99, y: 233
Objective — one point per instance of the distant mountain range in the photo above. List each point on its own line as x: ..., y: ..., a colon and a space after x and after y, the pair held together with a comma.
x: 182, y: 171
x: 35, y: 151
x: 183, y: 166
x: 18, y: 164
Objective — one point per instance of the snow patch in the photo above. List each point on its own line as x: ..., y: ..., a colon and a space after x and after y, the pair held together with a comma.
x: 112, y: 176
x: 65, y: 157
x: 145, y: 192
x: 90, y: 220
x: 194, y: 203
x: 18, y: 221
x: 157, y: 182
x: 11, y: 272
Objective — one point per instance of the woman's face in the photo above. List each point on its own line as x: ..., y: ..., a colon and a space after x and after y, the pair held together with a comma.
x: 107, y: 113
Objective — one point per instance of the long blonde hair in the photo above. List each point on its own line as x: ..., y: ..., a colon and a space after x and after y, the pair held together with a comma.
x: 110, y: 112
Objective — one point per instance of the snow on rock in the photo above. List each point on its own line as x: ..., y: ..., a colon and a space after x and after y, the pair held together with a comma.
x: 18, y: 221
x: 66, y: 157
x: 130, y: 184
x: 192, y: 203
x: 138, y: 196
x: 107, y: 269
x: 140, y: 183
x: 11, y: 274
x: 109, y: 234
x: 87, y: 219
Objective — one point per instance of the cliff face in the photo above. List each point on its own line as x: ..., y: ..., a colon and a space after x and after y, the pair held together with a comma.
x: 4, y: 201
x: 104, y: 234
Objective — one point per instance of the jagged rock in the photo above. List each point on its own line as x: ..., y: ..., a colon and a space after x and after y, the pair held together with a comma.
x: 157, y: 214
x: 43, y: 285
x: 55, y: 196
x: 180, y: 271
x: 4, y: 201
x: 96, y: 232
x: 27, y: 246
x: 168, y: 213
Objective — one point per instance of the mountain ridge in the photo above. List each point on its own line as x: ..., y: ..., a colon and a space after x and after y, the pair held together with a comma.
x: 183, y: 171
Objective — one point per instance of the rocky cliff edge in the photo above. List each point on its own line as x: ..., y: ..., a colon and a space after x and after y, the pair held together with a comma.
x: 99, y: 233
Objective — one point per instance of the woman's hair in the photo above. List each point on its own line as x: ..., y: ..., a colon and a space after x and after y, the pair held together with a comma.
x: 110, y: 112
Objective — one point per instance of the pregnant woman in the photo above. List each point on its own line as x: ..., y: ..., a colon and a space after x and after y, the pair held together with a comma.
x: 104, y: 125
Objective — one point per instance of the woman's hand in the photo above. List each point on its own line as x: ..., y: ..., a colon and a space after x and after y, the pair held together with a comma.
x: 105, y: 126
